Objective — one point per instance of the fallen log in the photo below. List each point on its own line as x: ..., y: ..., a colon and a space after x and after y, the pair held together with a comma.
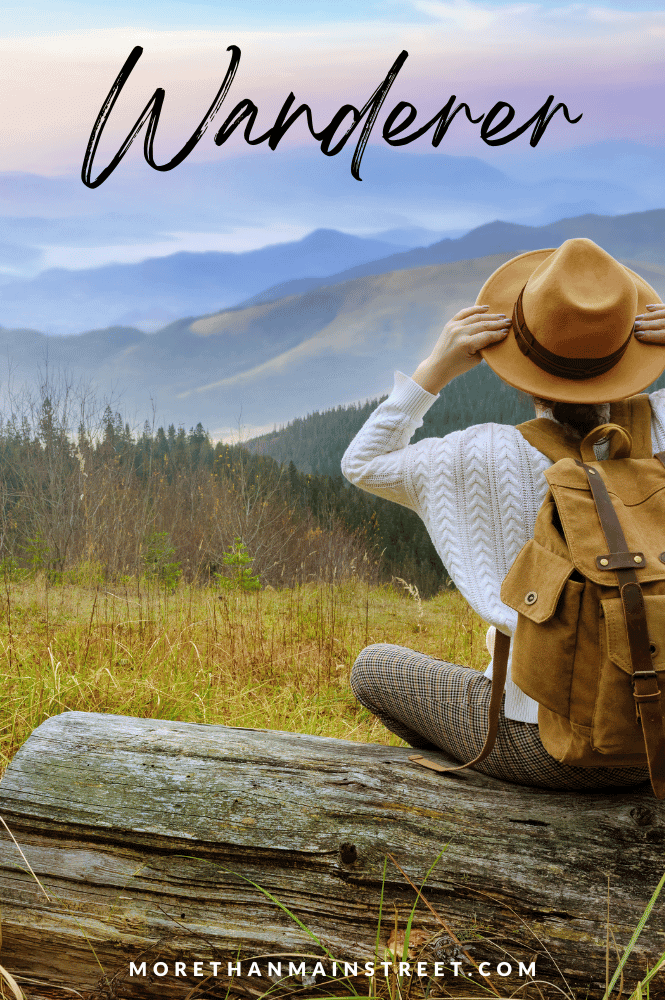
x: 164, y: 842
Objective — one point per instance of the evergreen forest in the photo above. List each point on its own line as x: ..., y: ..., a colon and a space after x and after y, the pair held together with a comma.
x: 112, y: 503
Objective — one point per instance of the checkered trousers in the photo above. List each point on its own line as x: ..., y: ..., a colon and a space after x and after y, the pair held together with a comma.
x: 434, y: 705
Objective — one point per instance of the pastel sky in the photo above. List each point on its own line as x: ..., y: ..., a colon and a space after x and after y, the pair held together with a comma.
x: 59, y: 58
x: 605, y: 60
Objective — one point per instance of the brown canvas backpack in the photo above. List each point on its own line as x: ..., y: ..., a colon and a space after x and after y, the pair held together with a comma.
x: 589, y: 591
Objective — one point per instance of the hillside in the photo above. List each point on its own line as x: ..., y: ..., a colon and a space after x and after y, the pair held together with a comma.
x: 268, y: 362
x: 264, y: 364
x: 316, y: 443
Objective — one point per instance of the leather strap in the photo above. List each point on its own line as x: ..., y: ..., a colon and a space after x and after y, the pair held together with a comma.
x: 620, y: 560
x: 646, y: 690
x: 499, y: 672
x: 576, y: 369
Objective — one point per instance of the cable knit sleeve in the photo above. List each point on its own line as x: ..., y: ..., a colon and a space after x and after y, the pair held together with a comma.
x: 477, y: 490
x: 378, y: 460
x: 657, y: 400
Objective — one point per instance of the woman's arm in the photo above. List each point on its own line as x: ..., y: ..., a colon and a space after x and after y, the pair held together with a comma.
x: 380, y: 459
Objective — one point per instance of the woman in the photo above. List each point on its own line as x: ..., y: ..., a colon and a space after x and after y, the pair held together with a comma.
x: 560, y: 325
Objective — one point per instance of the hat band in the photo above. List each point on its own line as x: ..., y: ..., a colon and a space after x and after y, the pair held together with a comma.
x: 576, y: 369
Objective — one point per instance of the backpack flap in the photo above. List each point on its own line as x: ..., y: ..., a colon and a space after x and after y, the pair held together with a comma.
x: 535, y: 582
x: 539, y: 587
x: 637, y: 491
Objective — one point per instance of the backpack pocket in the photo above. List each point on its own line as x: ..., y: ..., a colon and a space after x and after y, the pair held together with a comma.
x: 615, y: 728
x: 539, y: 587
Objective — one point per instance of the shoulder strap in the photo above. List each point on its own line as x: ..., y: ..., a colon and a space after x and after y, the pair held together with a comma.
x: 646, y: 690
x: 499, y: 671
x: 554, y: 440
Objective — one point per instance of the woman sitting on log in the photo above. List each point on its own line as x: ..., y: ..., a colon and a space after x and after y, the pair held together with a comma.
x: 479, y: 490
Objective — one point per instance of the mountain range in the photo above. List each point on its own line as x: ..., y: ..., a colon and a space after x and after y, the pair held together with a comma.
x: 256, y: 198
x: 284, y: 355
x: 157, y: 291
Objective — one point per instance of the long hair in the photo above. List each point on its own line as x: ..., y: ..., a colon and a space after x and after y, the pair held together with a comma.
x: 580, y: 417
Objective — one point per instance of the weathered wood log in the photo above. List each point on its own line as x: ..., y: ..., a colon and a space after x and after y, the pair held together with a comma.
x: 152, y: 839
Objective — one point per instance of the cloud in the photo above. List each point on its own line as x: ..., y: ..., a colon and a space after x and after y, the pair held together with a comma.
x: 539, y: 19
x: 469, y: 16
x: 53, y: 86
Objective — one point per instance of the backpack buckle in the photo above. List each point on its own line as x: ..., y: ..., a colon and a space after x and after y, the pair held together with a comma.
x: 650, y: 679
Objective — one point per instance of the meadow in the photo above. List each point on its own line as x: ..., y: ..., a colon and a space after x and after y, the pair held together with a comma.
x: 260, y: 658
x: 265, y: 658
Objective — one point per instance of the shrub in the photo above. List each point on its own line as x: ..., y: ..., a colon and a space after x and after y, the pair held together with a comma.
x: 238, y: 559
x: 158, y: 553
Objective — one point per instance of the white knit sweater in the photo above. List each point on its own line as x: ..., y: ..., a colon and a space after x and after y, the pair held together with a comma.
x: 477, y: 490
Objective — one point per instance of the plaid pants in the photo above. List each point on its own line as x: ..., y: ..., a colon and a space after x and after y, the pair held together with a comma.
x: 434, y: 705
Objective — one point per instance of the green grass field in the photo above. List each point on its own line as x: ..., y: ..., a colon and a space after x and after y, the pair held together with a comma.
x: 272, y: 659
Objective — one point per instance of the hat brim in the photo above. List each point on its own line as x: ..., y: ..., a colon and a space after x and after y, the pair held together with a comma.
x: 640, y: 365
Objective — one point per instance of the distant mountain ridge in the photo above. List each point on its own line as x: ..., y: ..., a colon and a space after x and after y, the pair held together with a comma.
x: 264, y: 364
x: 162, y: 289
x: 636, y: 236
x: 267, y: 193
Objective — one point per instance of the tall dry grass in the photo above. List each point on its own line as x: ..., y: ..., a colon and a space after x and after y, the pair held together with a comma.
x: 270, y: 659
x: 275, y: 659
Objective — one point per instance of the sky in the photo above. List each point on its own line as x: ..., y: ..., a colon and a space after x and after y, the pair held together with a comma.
x: 605, y: 61
x: 59, y: 59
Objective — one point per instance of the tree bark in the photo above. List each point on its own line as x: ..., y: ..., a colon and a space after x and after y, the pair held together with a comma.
x: 163, y: 841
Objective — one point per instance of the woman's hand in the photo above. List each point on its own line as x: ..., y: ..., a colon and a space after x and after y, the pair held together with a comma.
x: 650, y: 326
x: 456, y: 351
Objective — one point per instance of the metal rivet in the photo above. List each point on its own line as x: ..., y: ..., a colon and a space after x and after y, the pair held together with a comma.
x: 653, y: 648
x: 638, y: 559
x: 531, y: 597
x: 591, y: 472
x: 604, y: 562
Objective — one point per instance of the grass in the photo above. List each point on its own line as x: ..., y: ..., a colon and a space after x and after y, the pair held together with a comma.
x: 272, y: 659
x: 275, y: 659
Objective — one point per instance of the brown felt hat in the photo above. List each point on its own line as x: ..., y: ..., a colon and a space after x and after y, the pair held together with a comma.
x: 571, y: 338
